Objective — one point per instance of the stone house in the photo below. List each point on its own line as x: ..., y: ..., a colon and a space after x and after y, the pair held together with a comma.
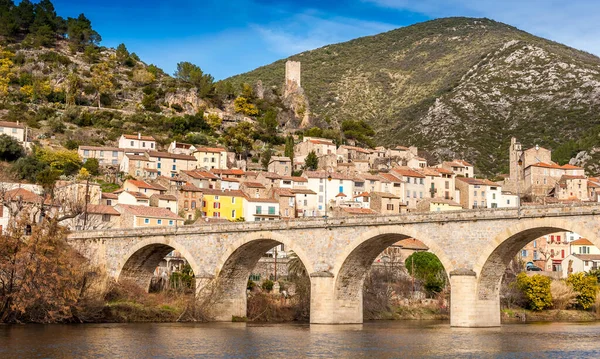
x: 75, y: 192
x: 106, y: 156
x: 292, y: 182
x: 594, y: 189
x: 459, y: 168
x: 209, y: 158
x: 228, y: 173
x: 439, y: 182
x: 392, y: 183
x: 189, y: 201
x: 269, y: 179
x: 346, y: 154
x: 281, y: 165
x: 144, y: 216
x: 137, y: 142
x: 385, y: 203
x: 417, y: 162
x: 306, y: 202
x: 167, y: 201
x: 97, y: 217
x: 109, y: 199
x: 200, y: 179
x: 287, y: 202
x: 571, y: 187
x: 254, y: 189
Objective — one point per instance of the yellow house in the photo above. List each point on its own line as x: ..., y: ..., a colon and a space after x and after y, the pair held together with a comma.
x: 438, y: 205
x: 222, y: 204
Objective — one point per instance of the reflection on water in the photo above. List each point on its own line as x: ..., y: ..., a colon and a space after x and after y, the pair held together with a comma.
x: 396, y: 339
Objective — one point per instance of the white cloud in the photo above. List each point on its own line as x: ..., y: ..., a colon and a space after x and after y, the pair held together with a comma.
x: 309, y: 30
x: 572, y: 22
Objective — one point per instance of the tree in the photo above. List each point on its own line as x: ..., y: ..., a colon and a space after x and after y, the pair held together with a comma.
x: 586, y: 286
x: 359, y: 131
x: 265, y: 157
x: 143, y: 77
x: 41, y: 276
x: 92, y: 165
x: 192, y: 74
x: 426, y: 267
x: 311, y: 162
x: 267, y: 127
x: 10, y: 148
x: 241, y: 105
x: 102, y: 80
x: 289, y: 148
x: 536, y: 290
x: 239, y: 137
x: 81, y: 34
x: 122, y: 53
x: 5, y: 71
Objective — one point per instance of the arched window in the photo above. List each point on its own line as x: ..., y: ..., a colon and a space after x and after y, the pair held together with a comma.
x: 193, y: 204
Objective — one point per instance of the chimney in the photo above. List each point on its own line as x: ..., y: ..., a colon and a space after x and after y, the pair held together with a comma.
x: 139, y: 136
x: 537, y: 147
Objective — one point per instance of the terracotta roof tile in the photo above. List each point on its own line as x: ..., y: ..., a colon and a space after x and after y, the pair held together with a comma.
x: 102, y: 209
x: 156, y: 212
x: 136, y: 137
x: 171, y: 155
x: 11, y: 124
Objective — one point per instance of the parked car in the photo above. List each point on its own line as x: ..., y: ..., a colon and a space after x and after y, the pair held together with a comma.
x: 534, y: 269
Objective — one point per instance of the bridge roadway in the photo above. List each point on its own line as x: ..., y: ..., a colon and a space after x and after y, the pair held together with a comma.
x: 475, y: 246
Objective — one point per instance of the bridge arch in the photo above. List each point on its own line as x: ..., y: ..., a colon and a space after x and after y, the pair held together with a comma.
x: 142, y: 259
x: 353, y: 264
x: 495, y: 258
x: 235, y: 265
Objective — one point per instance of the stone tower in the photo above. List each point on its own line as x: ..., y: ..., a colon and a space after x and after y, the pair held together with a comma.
x: 515, y: 153
x: 292, y: 77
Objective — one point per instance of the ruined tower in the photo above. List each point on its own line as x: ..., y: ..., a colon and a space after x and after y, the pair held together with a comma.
x: 292, y: 77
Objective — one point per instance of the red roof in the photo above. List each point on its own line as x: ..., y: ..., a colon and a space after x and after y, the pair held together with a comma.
x: 341, y: 194
x: 138, y: 137
x: 232, y: 171
x: 322, y: 142
x: 571, y: 167
x: 200, y: 174
x: 358, y: 210
x: 146, y: 211
x: 171, y: 155
x: 102, y: 209
x: 582, y: 242
x: 11, y: 124
x: 143, y: 184
x: 21, y: 194
x: 407, y: 172
x: 253, y: 185
x: 137, y: 194
x: 210, y: 149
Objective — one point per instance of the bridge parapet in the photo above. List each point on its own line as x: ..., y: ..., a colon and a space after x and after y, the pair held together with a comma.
x: 370, y: 220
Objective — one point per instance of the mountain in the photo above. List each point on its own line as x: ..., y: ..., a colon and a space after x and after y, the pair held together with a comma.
x: 455, y: 87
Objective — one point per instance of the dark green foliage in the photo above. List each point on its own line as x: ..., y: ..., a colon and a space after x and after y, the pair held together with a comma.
x: 426, y: 267
x: 81, y: 34
x: 311, y: 162
x: 193, y: 75
x: 359, y: 131
x: 265, y: 157
x: 71, y: 144
x: 268, y: 285
x: 28, y: 167
x: 122, y: 53
x: 188, y: 123
x: 183, y: 280
x: 93, y: 166
x: 10, y: 148
x: 239, y: 137
x: 267, y: 128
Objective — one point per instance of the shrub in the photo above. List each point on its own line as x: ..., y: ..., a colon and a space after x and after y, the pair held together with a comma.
x: 10, y: 148
x: 563, y: 294
x: 586, y: 286
x: 268, y: 285
x: 536, y: 290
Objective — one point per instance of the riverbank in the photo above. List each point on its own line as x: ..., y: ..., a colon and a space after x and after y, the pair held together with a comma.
x: 552, y: 315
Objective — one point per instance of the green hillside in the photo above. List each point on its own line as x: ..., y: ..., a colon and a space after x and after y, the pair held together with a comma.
x: 454, y: 87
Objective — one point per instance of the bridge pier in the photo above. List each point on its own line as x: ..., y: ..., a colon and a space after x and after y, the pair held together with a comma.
x: 466, y: 309
x: 219, y: 305
x: 326, y: 308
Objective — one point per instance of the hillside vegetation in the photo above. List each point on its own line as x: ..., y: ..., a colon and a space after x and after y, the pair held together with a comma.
x: 455, y: 87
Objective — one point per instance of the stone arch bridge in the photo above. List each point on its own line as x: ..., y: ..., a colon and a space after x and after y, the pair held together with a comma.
x: 475, y: 246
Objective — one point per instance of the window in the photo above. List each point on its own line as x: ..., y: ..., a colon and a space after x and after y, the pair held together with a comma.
x: 109, y: 202
x: 132, y: 143
x: 151, y: 144
x: 159, y: 221
x: 170, y: 222
x: 258, y: 210
x: 287, y: 212
x: 216, y: 205
x: 114, y: 162
x: 474, y: 193
x: 232, y: 200
x: 414, y: 194
x: 271, y: 210
x: 320, y: 199
x: 482, y: 193
x: 158, y: 165
x: 174, y: 167
x: 493, y: 196
x: 558, y: 239
x: 193, y: 204
x: 115, y: 154
x: 146, y: 220
x: 341, y: 189
x: 233, y: 213
x: 407, y: 194
x: 524, y: 253
x: 143, y: 144
x: 321, y: 188
x: 216, y: 214
x: 421, y: 181
x: 390, y: 207
x: 474, y: 204
x: 106, y: 218
x: 420, y: 194
x: 86, y: 153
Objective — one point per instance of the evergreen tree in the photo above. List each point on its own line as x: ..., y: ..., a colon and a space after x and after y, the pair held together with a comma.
x: 122, y: 53
x: 311, y: 162
x: 289, y: 148
x: 193, y: 74
x: 81, y: 34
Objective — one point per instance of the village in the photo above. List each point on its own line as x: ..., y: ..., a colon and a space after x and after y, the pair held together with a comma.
x: 189, y: 185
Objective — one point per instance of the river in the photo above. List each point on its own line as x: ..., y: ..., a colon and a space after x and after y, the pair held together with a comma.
x: 382, y: 339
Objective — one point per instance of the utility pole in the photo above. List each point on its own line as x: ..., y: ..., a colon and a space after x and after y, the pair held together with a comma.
x: 275, y: 256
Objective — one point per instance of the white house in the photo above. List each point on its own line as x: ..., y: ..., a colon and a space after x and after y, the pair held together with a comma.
x: 137, y: 142
x: 261, y: 209
x: 576, y: 263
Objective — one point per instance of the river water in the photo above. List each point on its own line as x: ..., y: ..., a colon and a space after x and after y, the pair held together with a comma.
x: 382, y: 339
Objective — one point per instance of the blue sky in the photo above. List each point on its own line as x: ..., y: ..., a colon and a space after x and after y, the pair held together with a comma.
x: 228, y: 37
